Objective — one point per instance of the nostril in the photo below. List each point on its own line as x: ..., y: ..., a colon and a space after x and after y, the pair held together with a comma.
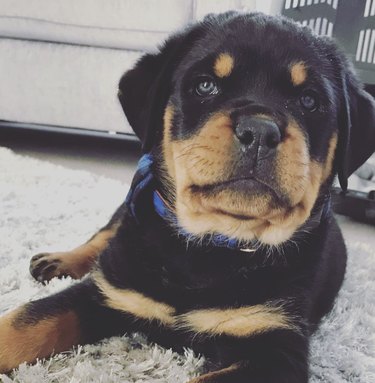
x: 273, y: 139
x: 246, y: 136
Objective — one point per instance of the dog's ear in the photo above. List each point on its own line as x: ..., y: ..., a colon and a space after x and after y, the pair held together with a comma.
x: 356, y: 128
x: 139, y: 90
x: 144, y: 90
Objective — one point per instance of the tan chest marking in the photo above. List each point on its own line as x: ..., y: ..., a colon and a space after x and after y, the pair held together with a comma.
x: 239, y: 322
x: 135, y: 303
x: 223, y: 65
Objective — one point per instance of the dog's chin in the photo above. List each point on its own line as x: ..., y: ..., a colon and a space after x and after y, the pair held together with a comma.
x: 241, y: 208
x: 242, y: 191
x: 221, y: 207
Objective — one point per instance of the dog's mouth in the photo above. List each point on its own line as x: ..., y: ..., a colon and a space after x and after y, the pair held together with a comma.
x: 240, y: 198
x: 243, y: 185
x: 240, y: 217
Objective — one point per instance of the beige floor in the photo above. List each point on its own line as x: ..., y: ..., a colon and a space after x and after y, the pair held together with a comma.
x: 118, y: 160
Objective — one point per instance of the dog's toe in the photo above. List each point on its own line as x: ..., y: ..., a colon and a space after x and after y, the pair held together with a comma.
x: 45, y: 266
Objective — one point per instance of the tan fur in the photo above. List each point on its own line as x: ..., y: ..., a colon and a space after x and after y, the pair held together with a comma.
x: 79, y: 261
x: 202, y: 160
x: 237, y: 322
x: 26, y: 342
x: 223, y: 65
x: 300, y: 180
x: 166, y: 144
x: 330, y: 157
x: 205, y: 159
x: 211, y: 377
x: 133, y: 302
x: 298, y: 73
x: 292, y: 164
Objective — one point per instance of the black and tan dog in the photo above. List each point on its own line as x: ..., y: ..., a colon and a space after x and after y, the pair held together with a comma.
x: 226, y: 243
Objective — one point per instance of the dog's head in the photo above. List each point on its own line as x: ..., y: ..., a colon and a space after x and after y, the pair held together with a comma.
x: 250, y: 117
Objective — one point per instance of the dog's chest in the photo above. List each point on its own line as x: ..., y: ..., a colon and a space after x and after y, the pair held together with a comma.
x: 190, y: 279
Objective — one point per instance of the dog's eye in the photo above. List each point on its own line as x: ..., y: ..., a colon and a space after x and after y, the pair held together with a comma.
x: 309, y: 100
x: 206, y: 86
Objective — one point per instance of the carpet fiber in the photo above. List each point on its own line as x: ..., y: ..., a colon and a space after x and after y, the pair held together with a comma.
x: 45, y: 207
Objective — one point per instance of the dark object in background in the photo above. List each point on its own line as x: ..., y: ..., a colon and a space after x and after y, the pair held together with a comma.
x: 352, y: 24
x: 356, y: 204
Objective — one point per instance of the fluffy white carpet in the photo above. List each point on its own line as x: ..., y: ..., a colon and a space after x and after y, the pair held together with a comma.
x: 46, y: 207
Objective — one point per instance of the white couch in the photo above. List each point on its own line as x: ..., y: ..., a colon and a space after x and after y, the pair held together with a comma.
x: 61, y: 60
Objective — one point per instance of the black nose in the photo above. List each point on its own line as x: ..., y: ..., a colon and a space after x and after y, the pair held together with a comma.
x: 258, y: 134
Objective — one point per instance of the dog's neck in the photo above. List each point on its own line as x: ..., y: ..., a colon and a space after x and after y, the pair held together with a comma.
x: 144, y: 193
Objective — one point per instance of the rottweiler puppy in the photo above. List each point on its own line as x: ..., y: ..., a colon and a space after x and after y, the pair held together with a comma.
x: 226, y: 242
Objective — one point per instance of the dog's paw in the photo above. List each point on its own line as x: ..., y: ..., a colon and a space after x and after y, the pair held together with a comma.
x: 45, y: 266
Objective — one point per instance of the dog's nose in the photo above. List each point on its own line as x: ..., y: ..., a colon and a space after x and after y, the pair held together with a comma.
x: 258, y: 134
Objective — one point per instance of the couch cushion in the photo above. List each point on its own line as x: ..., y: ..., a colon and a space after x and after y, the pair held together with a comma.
x: 63, y: 85
x: 202, y: 7
x: 125, y: 24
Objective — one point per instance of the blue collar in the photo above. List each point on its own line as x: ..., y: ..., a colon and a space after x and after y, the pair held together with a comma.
x: 142, y: 181
x: 143, y: 189
x: 216, y: 240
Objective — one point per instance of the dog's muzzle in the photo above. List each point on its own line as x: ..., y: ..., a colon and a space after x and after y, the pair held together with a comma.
x: 258, y: 136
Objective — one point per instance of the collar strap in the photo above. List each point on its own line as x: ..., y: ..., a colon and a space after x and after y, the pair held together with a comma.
x: 142, y: 180
x: 216, y: 240
x: 143, y: 191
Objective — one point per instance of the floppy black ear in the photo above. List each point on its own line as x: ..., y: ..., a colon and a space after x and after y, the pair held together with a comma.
x: 144, y: 90
x: 357, y: 128
x: 140, y: 90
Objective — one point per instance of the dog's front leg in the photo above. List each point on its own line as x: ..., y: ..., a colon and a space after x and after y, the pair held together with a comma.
x: 79, y: 261
x: 277, y: 357
x: 56, y: 323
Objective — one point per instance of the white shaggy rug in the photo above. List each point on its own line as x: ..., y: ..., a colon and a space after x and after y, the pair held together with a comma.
x: 44, y: 207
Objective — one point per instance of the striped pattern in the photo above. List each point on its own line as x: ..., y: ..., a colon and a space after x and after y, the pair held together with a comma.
x: 369, y: 8
x: 303, y: 3
x: 365, y: 47
x: 320, y: 25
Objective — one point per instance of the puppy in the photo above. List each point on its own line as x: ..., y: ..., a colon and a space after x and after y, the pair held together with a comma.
x: 226, y: 242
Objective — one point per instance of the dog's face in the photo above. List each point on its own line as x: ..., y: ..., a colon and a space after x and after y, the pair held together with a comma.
x: 247, y: 113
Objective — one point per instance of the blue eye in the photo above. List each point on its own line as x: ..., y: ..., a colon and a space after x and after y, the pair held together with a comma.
x: 309, y: 100
x: 206, y: 87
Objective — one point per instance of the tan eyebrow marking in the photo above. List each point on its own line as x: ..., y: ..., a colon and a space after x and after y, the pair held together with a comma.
x: 298, y: 73
x: 224, y: 64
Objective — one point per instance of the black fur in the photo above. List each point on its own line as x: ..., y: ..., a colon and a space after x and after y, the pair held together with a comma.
x: 150, y: 258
